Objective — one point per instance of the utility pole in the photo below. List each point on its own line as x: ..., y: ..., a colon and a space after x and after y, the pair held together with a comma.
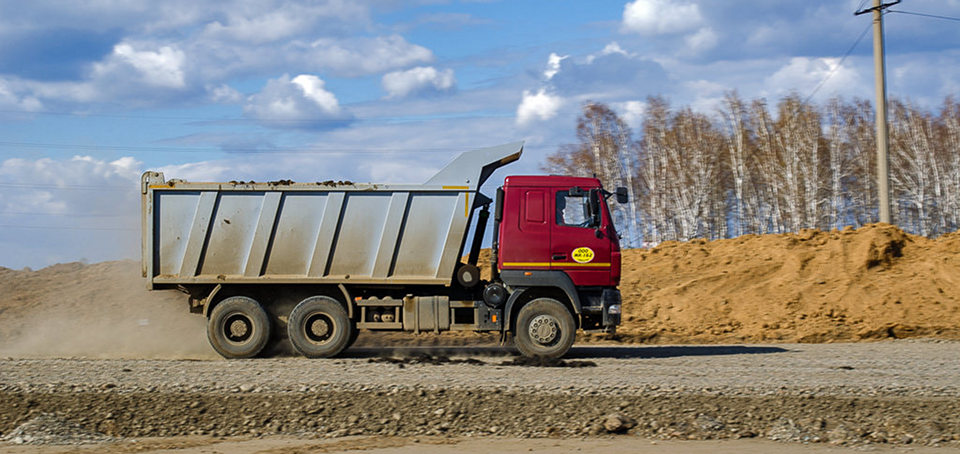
x: 879, y: 66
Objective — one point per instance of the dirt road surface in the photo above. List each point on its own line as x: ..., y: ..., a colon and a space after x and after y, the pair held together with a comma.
x: 892, y: 393
x: 410, y: 445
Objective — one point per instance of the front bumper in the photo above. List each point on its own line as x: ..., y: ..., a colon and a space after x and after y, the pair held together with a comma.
x: 612, y: 307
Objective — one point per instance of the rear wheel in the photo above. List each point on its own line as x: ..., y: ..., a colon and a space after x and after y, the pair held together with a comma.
x: 238, y: 327
x: 319, y: 327
x: 545, y: 329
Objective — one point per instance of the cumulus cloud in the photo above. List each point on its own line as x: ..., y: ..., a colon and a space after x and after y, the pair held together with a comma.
x: 268, y: 27
x: 610, y: 49
x: 805, y: 74
x: 631, y: 112
x: 175, y: 50
x: 398, y: 170
x: 139, y: 73
x: 553, y: 65
x: 703, y: 40
x: 11, y: 100
x: 301, y: 102
x: 162, y: 67
x: 658, y: 17
x: 537, y: 106
x: 422, y: 79
x: 360, y: 56
x: 78, y: 185
x: 610, y: 73
x: 224, y: 93
x: 65, y: 209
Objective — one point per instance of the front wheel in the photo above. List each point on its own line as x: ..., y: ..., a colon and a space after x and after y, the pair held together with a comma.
x: 319, y: 327
x: 545, y: 329
x: 238, y: 327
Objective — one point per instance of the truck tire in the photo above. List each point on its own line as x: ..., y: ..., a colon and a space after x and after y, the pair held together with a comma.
x: 319, y: 327
x: 545, y: 329
x: 238, y: 327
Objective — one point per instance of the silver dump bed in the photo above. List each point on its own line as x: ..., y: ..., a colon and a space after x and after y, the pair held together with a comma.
x: 325, y: 232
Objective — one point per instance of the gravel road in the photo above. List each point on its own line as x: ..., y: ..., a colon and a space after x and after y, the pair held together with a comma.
x: 900, y: 392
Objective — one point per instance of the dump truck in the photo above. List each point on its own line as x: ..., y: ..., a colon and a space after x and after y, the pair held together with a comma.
x: 356, y: 257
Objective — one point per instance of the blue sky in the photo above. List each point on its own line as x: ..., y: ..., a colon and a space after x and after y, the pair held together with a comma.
x: 93, y: 93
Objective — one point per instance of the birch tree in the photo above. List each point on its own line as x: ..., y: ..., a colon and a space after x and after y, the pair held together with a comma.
x: 605, y: 149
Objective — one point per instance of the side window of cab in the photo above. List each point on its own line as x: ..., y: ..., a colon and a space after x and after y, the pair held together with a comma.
x: 574, y: 209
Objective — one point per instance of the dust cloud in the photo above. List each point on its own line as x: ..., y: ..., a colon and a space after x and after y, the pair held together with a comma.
x: 101, y: 310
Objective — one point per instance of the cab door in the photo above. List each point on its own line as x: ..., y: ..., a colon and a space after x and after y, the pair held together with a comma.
x: 579, y: 243
x: 525, y: 242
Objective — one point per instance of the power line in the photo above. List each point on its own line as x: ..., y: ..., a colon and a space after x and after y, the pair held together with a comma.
x: 57, y: 227
x: 64, y: 186
x: 395, y: 119
x: 839, y: 65
x: 72, y: 215
x: 935, y: 16
x: 145, y: 149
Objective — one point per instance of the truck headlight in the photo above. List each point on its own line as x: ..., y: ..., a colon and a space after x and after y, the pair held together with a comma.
x: 614, y: 309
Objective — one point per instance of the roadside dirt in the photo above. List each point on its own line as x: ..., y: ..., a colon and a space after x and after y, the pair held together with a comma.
x: 876, y: 282
x: 419, y: 445
x: 427, y: 445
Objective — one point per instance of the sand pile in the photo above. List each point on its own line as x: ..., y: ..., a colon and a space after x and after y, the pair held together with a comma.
x: 813, y: 286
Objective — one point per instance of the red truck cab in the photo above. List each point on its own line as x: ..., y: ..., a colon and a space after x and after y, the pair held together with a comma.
x: 555, y: 241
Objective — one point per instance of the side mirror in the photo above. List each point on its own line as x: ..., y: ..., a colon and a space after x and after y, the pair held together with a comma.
x: 622, y: 196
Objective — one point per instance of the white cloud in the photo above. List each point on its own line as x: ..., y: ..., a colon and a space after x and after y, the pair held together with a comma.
x: 81, y: 184
x: 806, y: 74
x: 537, y: 106
x: 65, y: 209
x: 312, y: 88
x: 612, y: 48
x: 301, y: 102
x: 224, y: 93
x: 703, y: 40
x: 140, y: 74
x: 162, y: 67
x: 271, y: 26
x: 631, y: 112
x: 268, y: 21
x: 658, y: 17
x: 168, y: 52
x: 11, y: 100
x: 398, y: 171
x: 608, y: 75
x: 553, y: 65
x: 707, y: 95
x: 399, y: 84
x: 360, y: 56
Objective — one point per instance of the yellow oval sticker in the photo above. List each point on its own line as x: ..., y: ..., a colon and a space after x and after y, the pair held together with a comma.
x: 582, y: 255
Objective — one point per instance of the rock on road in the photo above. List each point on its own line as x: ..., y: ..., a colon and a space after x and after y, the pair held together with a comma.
x: 898, y: 392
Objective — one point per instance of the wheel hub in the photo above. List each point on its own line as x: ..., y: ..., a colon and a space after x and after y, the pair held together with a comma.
x: 319, y: 327
x: 544, y: 329
x: 237, y: 328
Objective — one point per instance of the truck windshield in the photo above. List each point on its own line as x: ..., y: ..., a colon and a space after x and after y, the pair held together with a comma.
x: 574, y: 210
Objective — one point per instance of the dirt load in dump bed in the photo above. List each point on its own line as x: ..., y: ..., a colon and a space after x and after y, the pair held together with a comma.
x: 871, y: 283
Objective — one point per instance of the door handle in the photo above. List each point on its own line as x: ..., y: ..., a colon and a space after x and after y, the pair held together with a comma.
x: 559, y: 256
